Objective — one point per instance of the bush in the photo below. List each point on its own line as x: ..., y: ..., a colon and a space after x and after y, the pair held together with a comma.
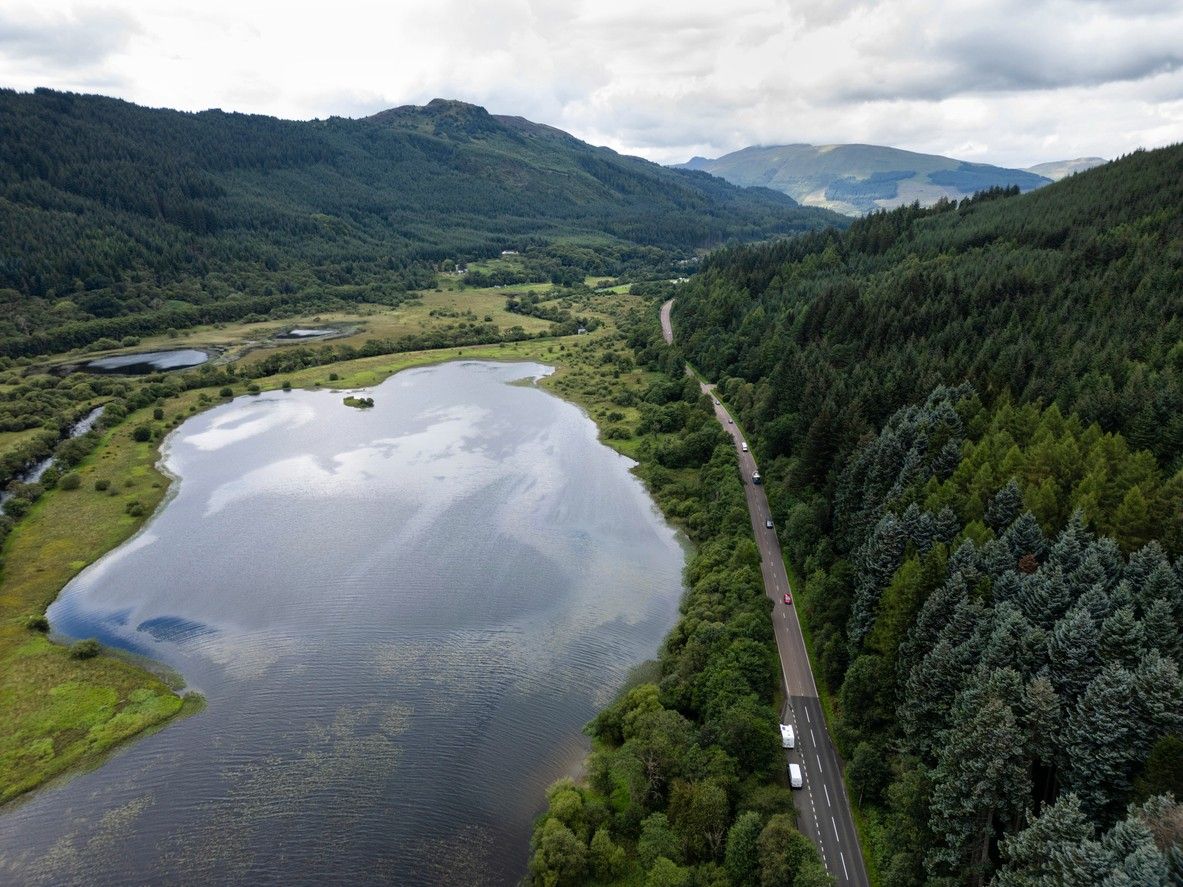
x: 287, y: 385
x: 226, y: 392
x: 142, y: 433
x: 70, y: 482
x: 101, y: 484
x: 136, y: 508
x: 87, y: 649
x: 37, y: 623
x: 158, y: 414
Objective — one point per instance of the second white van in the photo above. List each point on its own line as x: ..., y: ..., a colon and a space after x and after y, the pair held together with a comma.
x: 795, y: 779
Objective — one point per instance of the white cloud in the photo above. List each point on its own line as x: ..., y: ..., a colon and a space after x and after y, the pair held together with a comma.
x: 1005, y: 81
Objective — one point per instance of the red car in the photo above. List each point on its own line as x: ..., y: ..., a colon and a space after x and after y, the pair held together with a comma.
x: 788, y: 597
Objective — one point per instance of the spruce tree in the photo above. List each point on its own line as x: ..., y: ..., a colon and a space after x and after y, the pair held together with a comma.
x: 1162, y: 634
x: 1026, y: 537
x: 1102, y: 742
x: 1122, y: 639
x: 980, y: 781
x: 1073, y: 654
x: 1005, y: 508
x: 1039, y: 855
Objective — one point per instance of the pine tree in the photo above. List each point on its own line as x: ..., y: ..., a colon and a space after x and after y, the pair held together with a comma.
x: 1070, y: 546
x: 1162, y: 635
x: 1005, y: 508
x: 1102, y: 742
x: 1026, y: 537
x: 980, y: 779
x: 1159, y: 699
x: 946, y: 526
x: 1013, y: 642
x: 878, y: 559
x: 1122, y: 639
x: 1038, y: 856
x: 1073, y: 654
x: 1045, y: 597
x: 1096, y: 601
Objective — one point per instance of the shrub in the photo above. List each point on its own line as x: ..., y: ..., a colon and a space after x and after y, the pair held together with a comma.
x: 37, y: 623
x: 101, y: 484
x: 70, y: 482
x: 142, y: 433
x: 87, y: 649
x: 333, y: 377
x: 226, y: 392
x: 287, y: 385
x: 158, y: 413
x: 252, y: 388
x: 135, y: 508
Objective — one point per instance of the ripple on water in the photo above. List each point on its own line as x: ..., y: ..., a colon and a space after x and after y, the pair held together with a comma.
x: 401, y: 619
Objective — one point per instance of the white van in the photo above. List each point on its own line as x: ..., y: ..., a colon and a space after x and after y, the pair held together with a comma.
x: 795, y: 779
x: 787, y: 739
x: 744, y: 446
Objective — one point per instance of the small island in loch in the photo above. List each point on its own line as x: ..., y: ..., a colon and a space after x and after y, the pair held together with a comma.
x: 360, y: 402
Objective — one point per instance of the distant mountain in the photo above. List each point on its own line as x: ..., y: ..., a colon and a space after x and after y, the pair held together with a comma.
x: 856, y: 179
x: 1059, y: 169
x: 108, y: 208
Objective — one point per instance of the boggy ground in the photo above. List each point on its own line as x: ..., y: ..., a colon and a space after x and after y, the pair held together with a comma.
x: 60, y: 712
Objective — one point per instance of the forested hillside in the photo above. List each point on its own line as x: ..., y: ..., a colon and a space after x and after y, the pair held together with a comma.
x: 110, y: 210
x: 972, y: 423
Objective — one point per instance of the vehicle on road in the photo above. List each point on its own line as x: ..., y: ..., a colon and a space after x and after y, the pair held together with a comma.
x: 787, y: 739
x: 795, y: 779
x: 744, y: 446
x: 756, y: 479
x: 717, y: 403
x: 730, y: 421
x: 768, y: 524
x: 789, y: 598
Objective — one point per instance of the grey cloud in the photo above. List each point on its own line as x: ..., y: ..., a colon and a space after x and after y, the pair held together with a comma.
x: 71, y: 41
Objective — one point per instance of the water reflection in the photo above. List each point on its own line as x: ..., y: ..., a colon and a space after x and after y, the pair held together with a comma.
x: 401, y: 618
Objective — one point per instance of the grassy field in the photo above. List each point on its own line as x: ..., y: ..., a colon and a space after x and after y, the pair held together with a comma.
x: 247, y: 343
x: 61, y: 712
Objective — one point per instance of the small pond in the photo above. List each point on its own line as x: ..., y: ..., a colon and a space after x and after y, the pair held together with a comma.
x: 148, y: 362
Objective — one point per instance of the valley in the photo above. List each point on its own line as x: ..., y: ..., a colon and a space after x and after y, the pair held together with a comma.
x: 364, y: 520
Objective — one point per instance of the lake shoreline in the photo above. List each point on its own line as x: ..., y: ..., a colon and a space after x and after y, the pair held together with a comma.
x: 162, y: 487
x: 582, y: 415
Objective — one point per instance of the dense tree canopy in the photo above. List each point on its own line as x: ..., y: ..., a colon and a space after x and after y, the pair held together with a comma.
x: 109, y: 210
x: 971, y: 424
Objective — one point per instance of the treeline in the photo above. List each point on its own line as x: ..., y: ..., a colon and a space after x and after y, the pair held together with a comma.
x: 971, y: 423
x: 1068, y: 295
x: 986, y: 666
x: 108, y: 209
x: 685, y: 782
x: 81, y: 333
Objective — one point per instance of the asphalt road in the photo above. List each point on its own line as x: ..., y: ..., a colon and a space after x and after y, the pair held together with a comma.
x: 823, y: 809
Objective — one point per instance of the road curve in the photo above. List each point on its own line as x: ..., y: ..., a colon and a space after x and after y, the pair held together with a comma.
x: 823, y: 809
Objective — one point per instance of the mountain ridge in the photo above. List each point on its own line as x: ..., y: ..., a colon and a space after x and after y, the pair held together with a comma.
x: 857, y: 178
x: 109, y: 208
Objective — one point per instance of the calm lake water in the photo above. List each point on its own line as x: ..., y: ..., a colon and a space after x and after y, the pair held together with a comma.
x: 148, y: 362
x: 401, y: 619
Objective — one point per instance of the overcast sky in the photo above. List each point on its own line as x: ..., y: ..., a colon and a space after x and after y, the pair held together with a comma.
x: 1013, y: 82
